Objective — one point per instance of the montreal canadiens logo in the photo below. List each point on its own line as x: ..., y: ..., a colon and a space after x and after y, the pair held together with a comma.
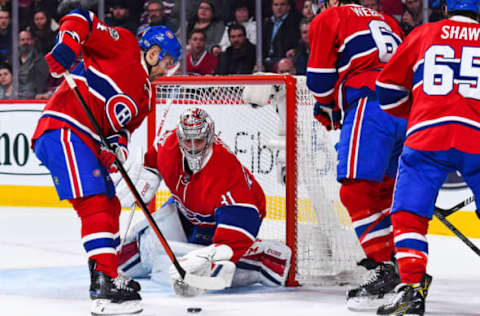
x: 120, y: 110
x: 169, y: 34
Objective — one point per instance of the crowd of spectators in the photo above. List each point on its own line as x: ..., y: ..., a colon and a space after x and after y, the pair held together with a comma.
x: 222, y: 34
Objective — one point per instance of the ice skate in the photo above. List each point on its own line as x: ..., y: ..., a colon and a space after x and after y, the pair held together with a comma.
x: 377, y: 289
x: 110, y: 296
x: 409, y: 299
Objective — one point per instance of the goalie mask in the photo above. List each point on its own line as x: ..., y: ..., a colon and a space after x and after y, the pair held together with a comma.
x: 195, y: 134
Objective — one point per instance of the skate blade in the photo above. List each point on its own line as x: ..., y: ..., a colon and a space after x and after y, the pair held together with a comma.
x: 106, y: 307
x: 368, y: 303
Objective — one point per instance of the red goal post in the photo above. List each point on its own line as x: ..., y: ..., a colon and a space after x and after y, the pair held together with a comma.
x: 307, y: 217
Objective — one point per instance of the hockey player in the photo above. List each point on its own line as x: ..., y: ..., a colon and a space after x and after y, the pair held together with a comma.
x: 349, y: 46
x: 212, y: 218
x: 114, y: 79
x: 433, y: 81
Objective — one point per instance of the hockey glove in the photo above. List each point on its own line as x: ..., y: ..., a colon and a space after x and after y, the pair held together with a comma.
x: 118, y: 144
x: 56, y: 69
x: 63, y: 54
x: 329, y: 117
x: 213, y: 260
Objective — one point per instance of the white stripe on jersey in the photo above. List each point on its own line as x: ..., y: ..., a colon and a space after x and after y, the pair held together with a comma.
x: 458, y: 119
x: 75, y: 123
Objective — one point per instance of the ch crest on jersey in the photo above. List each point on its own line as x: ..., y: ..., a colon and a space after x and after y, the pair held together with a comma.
x: 120, y: 110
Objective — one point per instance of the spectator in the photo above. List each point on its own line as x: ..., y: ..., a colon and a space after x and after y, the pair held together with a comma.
x: 156, y: 16
x: 413, y: 15
x: 243, y: 17
x: 168, y: 7
x: 299, y: 55
x: 6, y: 5
x: 199, y: 60
x: 372, y: 4
x: 5, y: 34
x: 280, y: 33
x: 394, y: 8
x: 286, y: 66
x: 240, y: 56
x: 192, y: 9
x: 33, y: 72
x: 43, y: 36
x: 309, y: 10
x: 137, y: 10
x: 120, y: 16
x: 48, y: 6
x: 206, y: 21
x: 6, y: 82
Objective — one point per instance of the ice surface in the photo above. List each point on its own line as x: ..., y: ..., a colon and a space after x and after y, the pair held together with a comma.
x: 43, y: 271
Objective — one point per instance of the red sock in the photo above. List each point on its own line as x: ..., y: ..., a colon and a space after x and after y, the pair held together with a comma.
x: 372, y: 225
x: 411, y: 246
x: 100, y: 225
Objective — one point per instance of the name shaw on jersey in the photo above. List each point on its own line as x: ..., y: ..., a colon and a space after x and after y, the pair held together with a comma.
x: 460, y: 32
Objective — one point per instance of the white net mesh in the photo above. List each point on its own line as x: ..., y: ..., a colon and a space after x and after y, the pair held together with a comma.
x: 326, y: 250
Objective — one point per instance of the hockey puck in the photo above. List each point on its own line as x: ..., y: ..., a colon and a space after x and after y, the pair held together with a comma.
x: 194, y: 310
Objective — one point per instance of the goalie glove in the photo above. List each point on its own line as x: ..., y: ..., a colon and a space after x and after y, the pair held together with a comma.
x: 146, y: 181
x: 328, y: 115
x: 213, y: 260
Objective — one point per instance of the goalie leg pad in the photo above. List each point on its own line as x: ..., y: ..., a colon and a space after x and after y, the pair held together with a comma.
x: 143, y: 253
x: 266, y: 262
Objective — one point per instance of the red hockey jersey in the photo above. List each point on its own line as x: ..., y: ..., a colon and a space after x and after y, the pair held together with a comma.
x: 223, y: 196
x: 204, y: 66
x: 348, y: 46
x: 433, y: 81
x: 112, y: 78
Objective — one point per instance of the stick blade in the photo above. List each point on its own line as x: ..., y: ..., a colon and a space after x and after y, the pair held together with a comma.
x: 205, y: 282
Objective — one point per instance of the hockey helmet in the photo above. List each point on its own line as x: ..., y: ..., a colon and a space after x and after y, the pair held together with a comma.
x: 163, y: 37
x: 195, y: 134
x: 463, y: 5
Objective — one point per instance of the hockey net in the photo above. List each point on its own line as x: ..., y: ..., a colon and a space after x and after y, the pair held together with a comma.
x: 304, y: 211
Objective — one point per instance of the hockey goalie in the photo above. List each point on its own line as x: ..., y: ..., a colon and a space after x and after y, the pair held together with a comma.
x: 212, y: 218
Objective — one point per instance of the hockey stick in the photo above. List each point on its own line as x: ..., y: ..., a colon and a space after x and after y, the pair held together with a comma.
x: 130, y: 218
x: 450, y: 211
x: 203, y: 282
x: 454, y: 230
x: 441, y: 214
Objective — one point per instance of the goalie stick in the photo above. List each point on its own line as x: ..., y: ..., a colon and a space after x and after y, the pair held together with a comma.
x: 203, y: 282
x: 130, y: 218
x: 441, y: 214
